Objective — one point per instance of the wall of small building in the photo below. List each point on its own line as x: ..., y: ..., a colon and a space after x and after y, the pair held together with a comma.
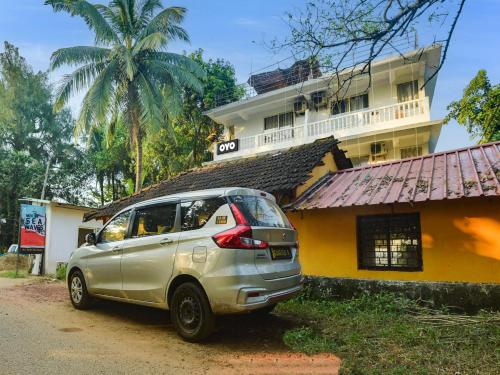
x: 460, y: 241
x: 62, y: 234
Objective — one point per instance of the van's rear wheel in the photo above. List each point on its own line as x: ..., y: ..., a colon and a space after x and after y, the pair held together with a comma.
x: 191, y: 314
x: 78, y: 293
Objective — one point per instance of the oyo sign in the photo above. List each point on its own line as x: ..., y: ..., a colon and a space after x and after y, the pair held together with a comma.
x: 228, y: 146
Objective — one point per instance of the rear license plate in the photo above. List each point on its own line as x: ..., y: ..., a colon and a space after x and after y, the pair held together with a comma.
x: 281, y: 253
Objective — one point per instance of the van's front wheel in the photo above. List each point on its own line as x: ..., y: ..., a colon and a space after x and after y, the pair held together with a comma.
x: 190, y: 312
x: 78, y: 293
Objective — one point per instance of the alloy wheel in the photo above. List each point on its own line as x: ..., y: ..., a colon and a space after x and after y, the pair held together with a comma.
x: 76, y: 289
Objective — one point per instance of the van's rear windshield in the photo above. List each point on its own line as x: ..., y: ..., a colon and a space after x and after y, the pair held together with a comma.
x: 260, y: 212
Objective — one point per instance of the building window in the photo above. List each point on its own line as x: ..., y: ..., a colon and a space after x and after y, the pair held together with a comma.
x: 351, y: 104
x: 358, y: 161
x: 389, y: 242
x: 407, y: 91
x: 411, y: 152
x: 278, y: 121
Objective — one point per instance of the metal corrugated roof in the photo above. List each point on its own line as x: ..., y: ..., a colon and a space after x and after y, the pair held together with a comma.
x: 467, y: 172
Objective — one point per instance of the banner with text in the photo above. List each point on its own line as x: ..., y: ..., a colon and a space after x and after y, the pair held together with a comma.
x: 33, y: 228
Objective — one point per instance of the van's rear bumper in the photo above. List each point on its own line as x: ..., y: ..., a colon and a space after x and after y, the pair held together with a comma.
x: 253, y: 297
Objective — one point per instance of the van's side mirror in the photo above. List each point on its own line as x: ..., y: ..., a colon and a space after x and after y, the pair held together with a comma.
x: 90, y: 239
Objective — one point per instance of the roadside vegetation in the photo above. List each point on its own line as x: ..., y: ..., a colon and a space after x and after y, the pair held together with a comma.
x: 388, y: 334
x: 11, y: 274
x: 61, y: 271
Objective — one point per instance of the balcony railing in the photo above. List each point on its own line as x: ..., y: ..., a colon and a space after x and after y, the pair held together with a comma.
x: 341, y: 126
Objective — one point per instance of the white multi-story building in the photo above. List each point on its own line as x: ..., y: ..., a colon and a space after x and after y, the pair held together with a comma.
x: 378, y: 118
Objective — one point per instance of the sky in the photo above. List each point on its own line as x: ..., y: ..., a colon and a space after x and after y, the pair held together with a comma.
x: 240, y: 30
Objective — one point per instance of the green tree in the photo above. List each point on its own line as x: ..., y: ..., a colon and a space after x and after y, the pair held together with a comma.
x: 479, y: 109
x: 194, y: 131
x: 128, y: 74
x: 31, y: 135
x: 110, y: 162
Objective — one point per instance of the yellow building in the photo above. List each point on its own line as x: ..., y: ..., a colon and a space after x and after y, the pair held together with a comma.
x: 431, y: 218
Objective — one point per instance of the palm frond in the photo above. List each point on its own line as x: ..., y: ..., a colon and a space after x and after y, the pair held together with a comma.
x: 167, y: 22
x: 85, y: 121
x: 123, y: 9
x: 161, y: 70
x: 97, y: 101
x: 104, y: 33
x: 75, y: 82
x: 78, y: 55
x: 181, y: 61
x: 153, y: 42
x: 102, y: 91
x: 145, y: 11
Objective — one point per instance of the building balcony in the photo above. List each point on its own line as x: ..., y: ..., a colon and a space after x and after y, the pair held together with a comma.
x: 343, y: 126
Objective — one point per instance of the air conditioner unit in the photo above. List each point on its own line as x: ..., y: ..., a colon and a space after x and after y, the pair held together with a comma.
x: 319, y: 99
x: 300, y: 105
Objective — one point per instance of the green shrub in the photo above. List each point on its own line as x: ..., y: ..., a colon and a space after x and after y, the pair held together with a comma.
x: 61, y: 271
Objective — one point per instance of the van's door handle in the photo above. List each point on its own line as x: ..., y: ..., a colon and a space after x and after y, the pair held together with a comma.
x: 166, y: 241
x: 116, y: 249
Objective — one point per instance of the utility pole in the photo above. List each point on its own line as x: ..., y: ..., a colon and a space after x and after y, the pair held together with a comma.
x: 46, y: 177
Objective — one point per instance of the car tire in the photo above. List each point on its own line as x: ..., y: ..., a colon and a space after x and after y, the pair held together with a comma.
x: 264, y: 310
x: 190, y: 313
x: 78, y: 294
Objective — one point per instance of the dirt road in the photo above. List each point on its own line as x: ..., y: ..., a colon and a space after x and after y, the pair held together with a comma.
x: 41, y: 333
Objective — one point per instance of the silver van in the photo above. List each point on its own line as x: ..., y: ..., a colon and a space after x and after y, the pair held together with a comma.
x: 198, y: 254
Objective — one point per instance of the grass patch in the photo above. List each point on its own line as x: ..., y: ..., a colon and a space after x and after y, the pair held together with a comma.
x: 8, y: 262
x: 387, y: 334
x: 12, y: 274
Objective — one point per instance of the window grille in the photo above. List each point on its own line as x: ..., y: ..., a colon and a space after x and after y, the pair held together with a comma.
x: 389, y: 242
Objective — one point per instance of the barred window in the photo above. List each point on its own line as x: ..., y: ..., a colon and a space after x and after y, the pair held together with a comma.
x: 390, y: 242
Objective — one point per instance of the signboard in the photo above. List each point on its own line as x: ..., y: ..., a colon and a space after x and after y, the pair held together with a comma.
x: 33, y: 225
x: 228, y: 146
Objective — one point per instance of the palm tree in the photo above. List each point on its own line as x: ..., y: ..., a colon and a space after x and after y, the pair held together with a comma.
x: 128, y: 74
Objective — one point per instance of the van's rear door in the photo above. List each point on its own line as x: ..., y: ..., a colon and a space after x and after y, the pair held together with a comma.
x: 270, y: 224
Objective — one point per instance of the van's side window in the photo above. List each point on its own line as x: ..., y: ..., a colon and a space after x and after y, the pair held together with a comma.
x: 196, y: 213
x: 150, y: 221
x: 116, y: 230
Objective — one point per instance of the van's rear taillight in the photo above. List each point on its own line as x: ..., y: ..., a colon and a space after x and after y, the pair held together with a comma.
x: 238, y: 215
x: 239, y: 237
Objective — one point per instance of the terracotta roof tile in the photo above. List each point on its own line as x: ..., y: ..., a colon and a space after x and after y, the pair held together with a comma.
x: 467, y: 172
x: 279, y: 172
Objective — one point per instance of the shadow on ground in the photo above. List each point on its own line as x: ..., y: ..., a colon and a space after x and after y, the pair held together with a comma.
x: 237, y: 332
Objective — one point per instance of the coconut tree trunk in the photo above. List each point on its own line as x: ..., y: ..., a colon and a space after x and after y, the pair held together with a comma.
x: 136, y: 134
x: 138, y: 161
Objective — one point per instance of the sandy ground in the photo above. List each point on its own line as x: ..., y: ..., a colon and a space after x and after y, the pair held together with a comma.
x: 41, y: 333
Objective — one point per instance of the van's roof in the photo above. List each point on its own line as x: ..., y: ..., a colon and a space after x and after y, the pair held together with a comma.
x: 199, y: 194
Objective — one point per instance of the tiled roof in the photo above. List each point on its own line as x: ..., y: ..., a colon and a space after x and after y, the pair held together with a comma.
x: 279, y: 172
x: 468, y: 172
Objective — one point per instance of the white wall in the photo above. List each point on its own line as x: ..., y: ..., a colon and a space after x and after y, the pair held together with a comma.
x: 382, y: 93
x: 62, y: 234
